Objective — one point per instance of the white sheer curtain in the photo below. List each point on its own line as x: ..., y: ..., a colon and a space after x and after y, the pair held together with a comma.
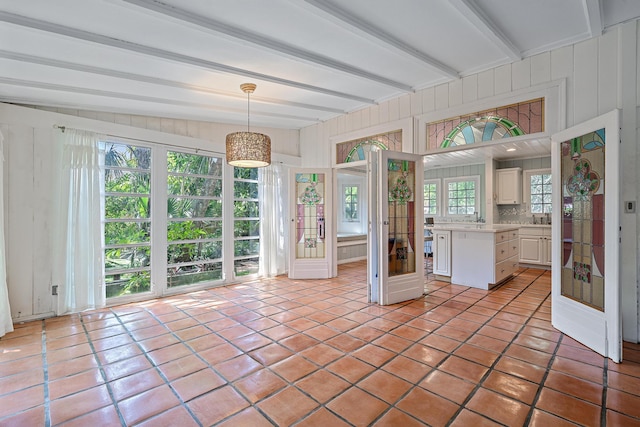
x: 77, y: 242
x: 274, y: 231
x: 6, y: 325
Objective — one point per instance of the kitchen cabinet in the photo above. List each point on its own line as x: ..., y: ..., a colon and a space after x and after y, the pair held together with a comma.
x: 441, y: 247
x: 535, y: 245
x: 484, y: 257
x: 509, y: 186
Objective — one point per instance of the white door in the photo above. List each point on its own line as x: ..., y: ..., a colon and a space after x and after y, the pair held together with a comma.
x: 398, y: 271
x: 585, y: 301
x: 311, y: 251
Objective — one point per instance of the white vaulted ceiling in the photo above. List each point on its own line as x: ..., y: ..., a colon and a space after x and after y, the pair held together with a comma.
x: 311, y: 59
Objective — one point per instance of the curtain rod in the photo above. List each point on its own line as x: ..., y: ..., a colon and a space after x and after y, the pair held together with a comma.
x: 197, y: 150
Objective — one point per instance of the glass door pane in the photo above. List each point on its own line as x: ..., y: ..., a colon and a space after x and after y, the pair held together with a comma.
x: 401, y: 204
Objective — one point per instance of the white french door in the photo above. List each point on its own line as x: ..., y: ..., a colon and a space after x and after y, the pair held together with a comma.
x: 585, y: 302
x: 395, y: 269
x: 311, y: 227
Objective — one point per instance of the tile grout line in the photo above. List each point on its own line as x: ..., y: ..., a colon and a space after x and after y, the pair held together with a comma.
x: 156, y: 368
x: 45, y: 372
x: 210, y: 366
x: 479, y: 383
x: 544, y: 379
x: 416, y: 384
x: 102, y: 372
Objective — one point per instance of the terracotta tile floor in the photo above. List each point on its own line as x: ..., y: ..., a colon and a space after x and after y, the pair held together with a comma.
x: 314, y: 353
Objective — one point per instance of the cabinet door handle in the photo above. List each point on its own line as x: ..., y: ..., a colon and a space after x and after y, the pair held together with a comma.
x: 502, y: 251
x: 441, y: 237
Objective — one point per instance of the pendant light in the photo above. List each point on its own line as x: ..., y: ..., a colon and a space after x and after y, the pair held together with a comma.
x: 248, y: 149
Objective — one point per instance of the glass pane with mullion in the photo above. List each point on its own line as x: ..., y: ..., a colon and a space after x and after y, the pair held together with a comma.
x: 117, y: 207
x: 244, y: 267
x: 189, y: 252
x: 245, y: 173
x: 193, y: 229
x: 245, y: 190
x: 194, y: 164
x: 246, y: 247
x: 192, y: 274
x: 118, y: 155
x: 127, y: 283
x: 121, y: 233
x: 178, y: 207
x: 124, y: 181
x: 246, y: 228
x: 246, y: 209
x: 194, y: 186
x: 127, y: 257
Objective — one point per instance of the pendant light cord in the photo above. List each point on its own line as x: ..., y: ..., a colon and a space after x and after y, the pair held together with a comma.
x: 248, y: 110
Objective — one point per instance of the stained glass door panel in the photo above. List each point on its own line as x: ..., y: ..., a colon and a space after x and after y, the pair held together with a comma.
x: 585, y: 277
x: 399, y: 196
x: 312, y: 227
x: 310, y: 216
x: 583, y: 176
x: 401, y: 179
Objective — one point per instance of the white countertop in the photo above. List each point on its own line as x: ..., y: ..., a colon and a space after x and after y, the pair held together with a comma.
x: 477, y: 228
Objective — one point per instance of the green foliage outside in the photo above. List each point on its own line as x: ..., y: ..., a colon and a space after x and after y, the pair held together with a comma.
x: 194, y: 213
x: 127, y: 190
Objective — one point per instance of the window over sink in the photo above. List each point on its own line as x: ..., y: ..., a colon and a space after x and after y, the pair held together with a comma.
x: 537, y: 191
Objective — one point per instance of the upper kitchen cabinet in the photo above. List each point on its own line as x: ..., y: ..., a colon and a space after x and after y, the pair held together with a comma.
x: 509, y: 186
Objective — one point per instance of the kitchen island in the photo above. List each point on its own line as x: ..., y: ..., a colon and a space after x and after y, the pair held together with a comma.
x: 482, y: 255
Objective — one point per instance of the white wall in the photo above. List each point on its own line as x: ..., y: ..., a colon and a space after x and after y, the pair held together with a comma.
x: 30, y: 139
x: 601, y: 74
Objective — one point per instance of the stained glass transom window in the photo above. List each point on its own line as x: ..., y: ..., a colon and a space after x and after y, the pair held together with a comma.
x: 355, y: 150
x: 488, y: 125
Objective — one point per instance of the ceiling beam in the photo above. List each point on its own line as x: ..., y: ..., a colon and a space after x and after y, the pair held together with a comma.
x: 155, y: 80
x: 264, y: 41
x: 382, y: 36
x: 133, y: 97
x: 475, y: 15
x: 49, y: 27
x: 593, y: 15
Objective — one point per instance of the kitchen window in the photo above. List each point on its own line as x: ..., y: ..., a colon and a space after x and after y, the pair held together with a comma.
x: 462, y: 195
x: 431, y: 192
x: 537, y: 190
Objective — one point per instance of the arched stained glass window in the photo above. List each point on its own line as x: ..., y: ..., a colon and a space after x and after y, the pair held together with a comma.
x: 481, y: 129
x: 359, y: 151
x: 493, y: 124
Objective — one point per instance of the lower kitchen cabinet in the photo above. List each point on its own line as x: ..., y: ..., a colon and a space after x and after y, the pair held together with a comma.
x: 441, y: 247
x: 535, y: 245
